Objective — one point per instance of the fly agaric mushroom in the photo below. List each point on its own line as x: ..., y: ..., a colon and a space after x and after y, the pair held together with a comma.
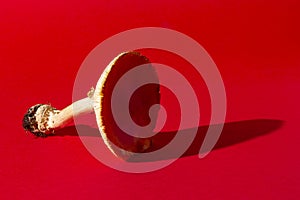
x: 42, y: 119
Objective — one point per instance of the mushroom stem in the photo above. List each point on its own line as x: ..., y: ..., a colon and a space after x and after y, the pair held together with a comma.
x: 43, y: 119
x: 66, y: 115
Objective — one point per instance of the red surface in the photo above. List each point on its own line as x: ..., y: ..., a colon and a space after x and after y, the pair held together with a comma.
x: 256, y: 47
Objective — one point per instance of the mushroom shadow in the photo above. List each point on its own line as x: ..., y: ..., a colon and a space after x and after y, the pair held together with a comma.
x: 232, y: 133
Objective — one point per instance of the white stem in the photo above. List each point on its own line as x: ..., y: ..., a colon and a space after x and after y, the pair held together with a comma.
x: 63, y: 117
x: 43, y: 119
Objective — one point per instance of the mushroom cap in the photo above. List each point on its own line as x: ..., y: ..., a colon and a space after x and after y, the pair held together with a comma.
x: 124, y: 145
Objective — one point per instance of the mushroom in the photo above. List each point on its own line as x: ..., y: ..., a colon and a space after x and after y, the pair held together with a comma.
x: 43, y: 119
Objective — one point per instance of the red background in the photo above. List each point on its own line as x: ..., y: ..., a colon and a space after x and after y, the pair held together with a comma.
x: 254, y: 43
